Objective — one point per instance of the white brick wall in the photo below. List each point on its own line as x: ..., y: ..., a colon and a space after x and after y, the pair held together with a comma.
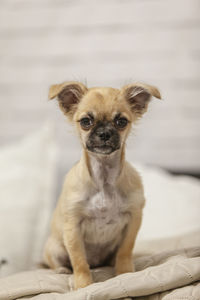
x: 104, y: 43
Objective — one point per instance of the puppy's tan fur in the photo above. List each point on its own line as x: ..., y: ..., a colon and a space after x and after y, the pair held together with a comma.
x: 99, y: 212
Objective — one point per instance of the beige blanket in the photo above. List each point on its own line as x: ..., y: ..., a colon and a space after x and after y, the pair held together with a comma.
x: 168, y: 275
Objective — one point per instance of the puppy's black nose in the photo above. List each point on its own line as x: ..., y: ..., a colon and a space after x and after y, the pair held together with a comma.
x: 104, y: 135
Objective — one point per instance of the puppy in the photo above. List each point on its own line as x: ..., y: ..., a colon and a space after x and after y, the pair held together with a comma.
x: 99, y: 212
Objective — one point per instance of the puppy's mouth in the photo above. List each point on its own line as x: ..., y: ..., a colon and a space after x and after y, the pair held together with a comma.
x: 102, y: 149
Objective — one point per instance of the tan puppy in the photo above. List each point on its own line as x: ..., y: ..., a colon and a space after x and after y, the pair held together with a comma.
x: 99, y: 212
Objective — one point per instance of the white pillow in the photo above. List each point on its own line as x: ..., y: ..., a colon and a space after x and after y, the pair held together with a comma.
x: 172, y: 204
x: 27, y: 185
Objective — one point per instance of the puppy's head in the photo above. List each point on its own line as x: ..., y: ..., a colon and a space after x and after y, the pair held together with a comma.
x: 103, y: 116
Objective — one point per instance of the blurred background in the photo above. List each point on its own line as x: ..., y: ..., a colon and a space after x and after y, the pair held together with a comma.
x: 101, y: 43
x: 106, y: 43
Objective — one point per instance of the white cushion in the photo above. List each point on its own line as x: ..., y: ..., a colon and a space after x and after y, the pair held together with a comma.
x: 27, y: 185
x: 172, y: 204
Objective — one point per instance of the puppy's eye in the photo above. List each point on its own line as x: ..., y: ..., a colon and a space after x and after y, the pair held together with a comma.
x: 86, y: 123
x: 121, y: 122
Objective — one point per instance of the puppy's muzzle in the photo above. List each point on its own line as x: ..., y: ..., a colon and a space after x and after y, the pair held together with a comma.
x: 103, y: 139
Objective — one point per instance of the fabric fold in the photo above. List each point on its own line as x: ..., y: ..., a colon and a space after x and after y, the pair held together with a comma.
x: 165, y: 273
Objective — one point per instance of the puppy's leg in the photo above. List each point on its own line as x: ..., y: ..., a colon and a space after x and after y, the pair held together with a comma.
x: 75, y: 246
x: 124, y: 260
x: 55, y: 256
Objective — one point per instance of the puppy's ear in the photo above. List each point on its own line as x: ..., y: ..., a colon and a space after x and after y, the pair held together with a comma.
x: 69, y: 95
x: 138, y: 96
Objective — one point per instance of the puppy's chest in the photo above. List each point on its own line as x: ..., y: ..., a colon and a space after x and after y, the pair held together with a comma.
x: 107, y: 215
x: 105, y: 205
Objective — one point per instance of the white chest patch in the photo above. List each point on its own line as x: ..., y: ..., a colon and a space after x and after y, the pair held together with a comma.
x: 107, y: 217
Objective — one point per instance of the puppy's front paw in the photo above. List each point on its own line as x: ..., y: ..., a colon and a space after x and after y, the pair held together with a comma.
x: 124, y: 265
x: 82, y: 280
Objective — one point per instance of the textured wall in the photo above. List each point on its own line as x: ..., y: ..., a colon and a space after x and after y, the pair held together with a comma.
x: 104, y: 43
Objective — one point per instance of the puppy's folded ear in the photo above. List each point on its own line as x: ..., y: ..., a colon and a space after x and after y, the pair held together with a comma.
x: 69, y: 95
x: 138, y: 96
